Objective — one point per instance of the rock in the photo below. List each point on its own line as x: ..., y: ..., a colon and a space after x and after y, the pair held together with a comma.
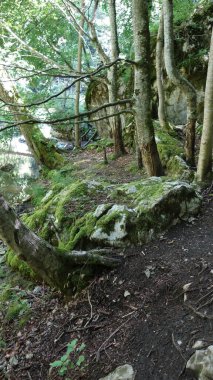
x: 124, y: 372
x: 154, y: 205
x: 135, y: 212
x: 201, y: 363
x: 178, y: 168
x: 111, y: 227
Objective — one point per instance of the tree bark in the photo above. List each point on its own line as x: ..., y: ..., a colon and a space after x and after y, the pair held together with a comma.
x: 53, y: 266
x: 112, y: 76
x: 78, y: 84
x: 142, y: 89
x: 38, y: 145
x: 205, y: 156
x: 159, y: 74
x: 186, y: 87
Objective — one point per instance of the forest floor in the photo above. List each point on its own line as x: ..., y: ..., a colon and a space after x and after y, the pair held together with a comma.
x: 138, y: 313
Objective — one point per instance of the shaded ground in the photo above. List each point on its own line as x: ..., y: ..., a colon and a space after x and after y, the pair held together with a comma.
x: 135, y: 314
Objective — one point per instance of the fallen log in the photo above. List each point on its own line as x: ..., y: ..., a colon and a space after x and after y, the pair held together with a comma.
x: 52, y: 265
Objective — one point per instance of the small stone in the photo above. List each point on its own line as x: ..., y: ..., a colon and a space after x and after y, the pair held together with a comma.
x: 37, y: 290
x: 29, y: 356
x: 201, y: 363
x: 13, y: 361
x: 198, y: 344
x: 126, y: 293
x: 124, y: 372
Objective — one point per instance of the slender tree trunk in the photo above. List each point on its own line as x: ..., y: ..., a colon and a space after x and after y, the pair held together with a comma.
x: 78, y: 84
x: 159, y: 73
x: 206, y: 146
x: 113, y: 83
x: 186, y: 87
x: 38, y: 145
x: 51, y: 265
x: 142, y: 90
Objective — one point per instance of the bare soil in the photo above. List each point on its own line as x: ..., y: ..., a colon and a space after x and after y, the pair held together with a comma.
x: 137, y: 314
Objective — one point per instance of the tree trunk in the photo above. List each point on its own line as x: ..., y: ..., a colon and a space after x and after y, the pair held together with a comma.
x: 53, y: 266
x: 186, y: 87
x: 38, y: 145
x: 142, y: 89
x: 206, y: 146
x: 78, y: 84
x: 115, y: 121
x: 159, y: 73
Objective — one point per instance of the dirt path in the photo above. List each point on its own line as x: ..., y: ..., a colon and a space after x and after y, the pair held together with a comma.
x: 135, y: 314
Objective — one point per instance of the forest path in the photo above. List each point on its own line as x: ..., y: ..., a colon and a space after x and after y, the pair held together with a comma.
x: 135, y: 314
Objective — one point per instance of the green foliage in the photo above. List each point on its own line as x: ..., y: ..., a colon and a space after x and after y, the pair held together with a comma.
x: 37, y: 191
x: 67, y: 361
x: 99, y: 145
x: 13, y: 304
x: 16, y: 263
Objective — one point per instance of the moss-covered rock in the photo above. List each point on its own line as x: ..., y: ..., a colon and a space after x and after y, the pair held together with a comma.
x: 178, y: 168
x: 168, y: 144
x: 135, y: 213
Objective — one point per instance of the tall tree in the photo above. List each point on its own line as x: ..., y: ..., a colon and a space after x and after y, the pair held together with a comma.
x: 112, y: 76
x: 78, y: 84
x: 186, y: 87
x: 205, y: 156
x: 113, y: 82
x: 142, y: 89
x: 159, y: 74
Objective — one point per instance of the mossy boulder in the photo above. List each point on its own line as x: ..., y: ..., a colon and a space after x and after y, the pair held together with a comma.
x: 88, y: 214
x: 178, y: 168
x: 154, y: 205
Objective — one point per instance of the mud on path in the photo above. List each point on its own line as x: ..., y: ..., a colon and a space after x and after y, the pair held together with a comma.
x: 135, y: 314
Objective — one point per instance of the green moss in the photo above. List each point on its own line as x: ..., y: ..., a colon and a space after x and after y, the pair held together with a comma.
x: 2, y: 344
x: 76, y: 190
x: 177, y: 168
x: 16, y: 263
x: 168, y: 146
x: 16, y: 308
x: 107, y: 222
x: 37, y: 219
x: 79, y: 232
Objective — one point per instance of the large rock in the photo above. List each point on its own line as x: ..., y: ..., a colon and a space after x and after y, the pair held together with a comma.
x: 153, y: 206
x: 201, y: 363
x: 134, y: 213
x: 124, y: 372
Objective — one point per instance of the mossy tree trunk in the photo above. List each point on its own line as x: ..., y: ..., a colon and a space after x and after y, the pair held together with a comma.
x: 44, y: 153
x: 186, y: 87
x: 78, y: 84
x: 159, y: 74
x: 52, y: 265
x: 142, y: 89
x: 113, y: 83
x: 205, y: 156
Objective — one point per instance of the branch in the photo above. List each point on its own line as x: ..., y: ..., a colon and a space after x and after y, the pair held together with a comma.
x: 36, y: 121
x: 83, y: 77
x: 92, y: 257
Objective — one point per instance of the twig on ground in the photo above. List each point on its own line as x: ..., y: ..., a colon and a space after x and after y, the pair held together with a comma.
x: 178, y: 348
x: 102, y: 346
x: 205, y: 304
x: 201, y: 315
x: 205, y: 296
x: 91, y: 311
x: 29, y: 375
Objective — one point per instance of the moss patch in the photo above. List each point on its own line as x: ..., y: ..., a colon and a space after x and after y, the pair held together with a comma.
x: 168, y: 146
x: 15, y: 263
